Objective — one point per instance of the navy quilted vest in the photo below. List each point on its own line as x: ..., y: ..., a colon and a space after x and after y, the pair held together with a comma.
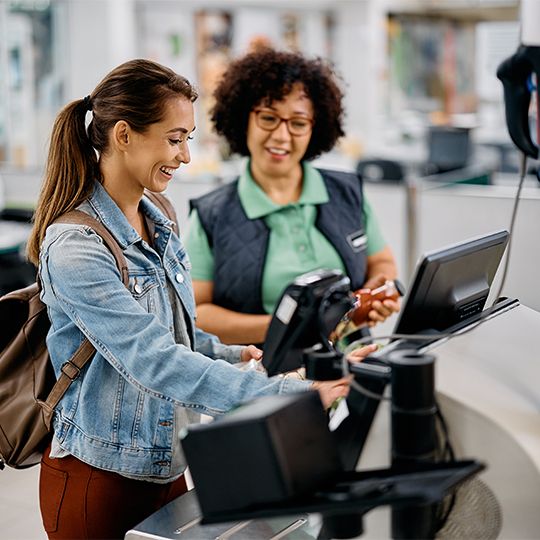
x: 239, y: 244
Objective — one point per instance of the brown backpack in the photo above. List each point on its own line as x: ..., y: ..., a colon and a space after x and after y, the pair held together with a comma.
x: 29, y: 391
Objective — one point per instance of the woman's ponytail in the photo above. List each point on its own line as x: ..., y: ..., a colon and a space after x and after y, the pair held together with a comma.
x: 72, y: 167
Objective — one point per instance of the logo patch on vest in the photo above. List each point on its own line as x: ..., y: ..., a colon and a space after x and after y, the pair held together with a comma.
x: 357, y: 240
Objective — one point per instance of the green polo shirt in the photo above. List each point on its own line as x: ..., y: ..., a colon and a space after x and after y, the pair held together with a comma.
x: 295, y: 245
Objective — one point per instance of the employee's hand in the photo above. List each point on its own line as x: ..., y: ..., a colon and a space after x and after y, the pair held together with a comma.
x: 250, y: 353
x: 380, y: 311
x: 375, y: 281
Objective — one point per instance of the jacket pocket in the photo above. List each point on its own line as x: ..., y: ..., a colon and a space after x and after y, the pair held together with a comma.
x: 144, y: 289
x: 52, y: 488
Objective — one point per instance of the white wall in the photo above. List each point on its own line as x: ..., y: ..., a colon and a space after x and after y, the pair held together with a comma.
x: 100, y: 35
x: 355, y: 61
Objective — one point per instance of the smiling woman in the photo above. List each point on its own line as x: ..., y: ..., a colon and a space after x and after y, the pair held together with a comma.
x: 149, y: 157
x: 278, y: 136
x: 282, y: 217
x: 115, y: 454
x: 135, y: 121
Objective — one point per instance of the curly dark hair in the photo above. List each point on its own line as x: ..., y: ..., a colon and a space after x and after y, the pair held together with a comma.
x: 266, y: 76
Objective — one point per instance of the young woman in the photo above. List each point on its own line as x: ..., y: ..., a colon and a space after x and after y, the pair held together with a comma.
x: 115, y: 456
x: 248, y: 240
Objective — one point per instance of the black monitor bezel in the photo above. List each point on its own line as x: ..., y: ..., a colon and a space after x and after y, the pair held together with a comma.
x: 429, y: 264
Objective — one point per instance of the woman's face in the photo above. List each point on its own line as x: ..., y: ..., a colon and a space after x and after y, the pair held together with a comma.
x: 154, y: 155
x: 277, y: 152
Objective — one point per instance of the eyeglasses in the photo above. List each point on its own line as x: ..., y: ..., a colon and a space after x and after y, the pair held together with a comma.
x: 269, y: 121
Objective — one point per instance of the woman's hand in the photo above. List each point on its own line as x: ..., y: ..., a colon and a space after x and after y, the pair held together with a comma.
x: 329, y: 391
x: 250, y: 353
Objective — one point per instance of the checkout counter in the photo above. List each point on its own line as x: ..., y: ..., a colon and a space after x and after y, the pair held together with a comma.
x: 487, y: 385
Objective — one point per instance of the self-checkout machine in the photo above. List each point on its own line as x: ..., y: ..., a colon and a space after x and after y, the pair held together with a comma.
x: 480, y: 393
x: 487, y: 391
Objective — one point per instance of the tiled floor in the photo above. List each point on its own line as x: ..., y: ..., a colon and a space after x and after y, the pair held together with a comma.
x: 19, y: 509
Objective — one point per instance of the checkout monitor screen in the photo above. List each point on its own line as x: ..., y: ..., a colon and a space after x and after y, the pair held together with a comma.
x: 309, y: 309
x: 451, y: 284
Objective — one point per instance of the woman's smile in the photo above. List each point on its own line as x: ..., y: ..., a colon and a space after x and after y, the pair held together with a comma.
x: 278, y: 153
x: 167, y: 172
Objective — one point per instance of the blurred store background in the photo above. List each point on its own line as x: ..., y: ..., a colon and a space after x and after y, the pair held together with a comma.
x: 406, y: 64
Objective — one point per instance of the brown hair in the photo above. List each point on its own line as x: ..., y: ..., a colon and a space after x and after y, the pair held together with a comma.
x: 136, y: 92
x: 268, y: 75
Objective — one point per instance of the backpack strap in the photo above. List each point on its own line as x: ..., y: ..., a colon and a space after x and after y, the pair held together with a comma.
x: 77, y: 217
x: 164, y: 204
x: 71, y: 369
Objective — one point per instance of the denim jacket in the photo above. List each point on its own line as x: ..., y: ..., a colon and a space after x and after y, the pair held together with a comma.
x: 119, y: 414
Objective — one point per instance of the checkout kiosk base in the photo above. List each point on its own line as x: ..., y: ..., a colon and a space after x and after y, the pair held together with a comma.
x: 488, y: 390
x: 180, y: 519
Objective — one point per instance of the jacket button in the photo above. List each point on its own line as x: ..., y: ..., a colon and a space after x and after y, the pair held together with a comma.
x: 138, y: 288
x: 179, y: 278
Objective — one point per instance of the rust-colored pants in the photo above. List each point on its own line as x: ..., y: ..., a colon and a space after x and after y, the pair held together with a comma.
x: 79, y: 501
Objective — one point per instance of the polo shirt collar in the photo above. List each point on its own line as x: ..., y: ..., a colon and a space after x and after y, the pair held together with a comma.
x: 257, y: 204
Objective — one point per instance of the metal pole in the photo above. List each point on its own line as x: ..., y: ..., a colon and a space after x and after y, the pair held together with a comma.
x: 411, y: 228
